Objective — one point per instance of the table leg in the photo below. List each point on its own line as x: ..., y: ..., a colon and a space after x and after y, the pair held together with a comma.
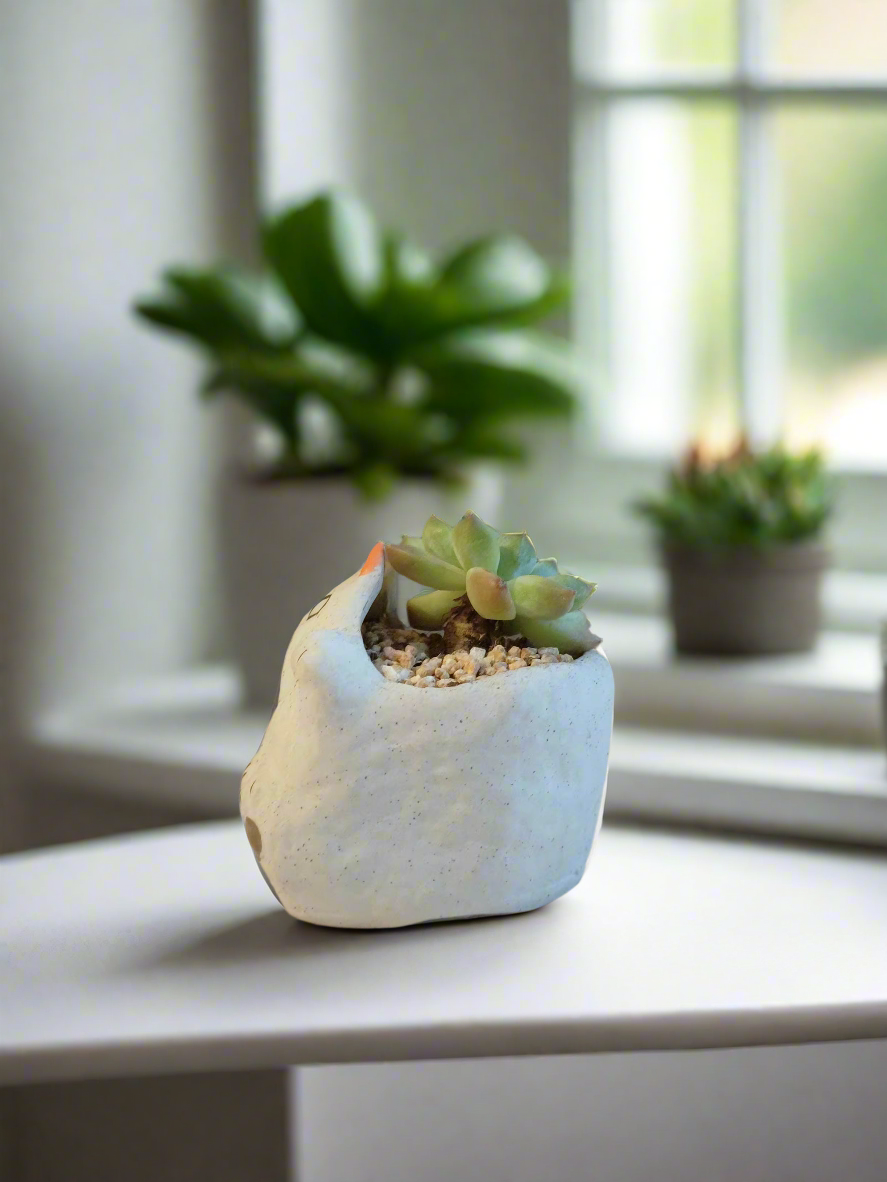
x: 223, y: 1126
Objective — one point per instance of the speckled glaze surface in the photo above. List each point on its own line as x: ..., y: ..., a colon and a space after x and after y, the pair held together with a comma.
x: 371, y: 804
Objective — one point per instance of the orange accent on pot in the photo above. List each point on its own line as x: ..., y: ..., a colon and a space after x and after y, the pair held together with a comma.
x: 374, y: 558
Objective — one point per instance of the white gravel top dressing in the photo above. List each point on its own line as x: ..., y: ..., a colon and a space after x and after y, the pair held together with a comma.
x: 409, y: 656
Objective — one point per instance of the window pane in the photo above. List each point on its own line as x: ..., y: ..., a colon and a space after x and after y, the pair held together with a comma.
x: 646, y: 36
x: 835, y: 37
x: 672, y: 272
x: 834, y: 216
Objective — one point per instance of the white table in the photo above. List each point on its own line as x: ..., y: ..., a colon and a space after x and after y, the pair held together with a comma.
x: 165, y: 952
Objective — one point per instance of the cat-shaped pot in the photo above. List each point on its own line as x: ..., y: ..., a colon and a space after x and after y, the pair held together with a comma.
x: 374, y: 804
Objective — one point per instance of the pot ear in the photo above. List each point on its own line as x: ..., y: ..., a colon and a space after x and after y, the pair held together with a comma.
x: 385, y: 602
x: 369, y: 593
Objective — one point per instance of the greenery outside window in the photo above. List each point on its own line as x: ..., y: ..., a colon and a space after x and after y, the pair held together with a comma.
x: 730, y: 253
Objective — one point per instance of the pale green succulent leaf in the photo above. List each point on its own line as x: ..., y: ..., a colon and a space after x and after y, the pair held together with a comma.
x: 538, y: 598
x: 437, y: 537
x: 476, y: 543
x: 582, y: 587
x: 429, y: 611
x: 517, y: 555
x: 413, y: 562
x: 489, y: 595
x: 545, y: 567
x: 571, y: 633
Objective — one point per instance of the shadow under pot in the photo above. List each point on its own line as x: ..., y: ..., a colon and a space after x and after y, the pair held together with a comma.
x: 745, y: 601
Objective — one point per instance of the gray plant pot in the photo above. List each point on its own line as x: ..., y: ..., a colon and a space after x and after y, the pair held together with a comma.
x: 286, y: 544
x: 745, y: 602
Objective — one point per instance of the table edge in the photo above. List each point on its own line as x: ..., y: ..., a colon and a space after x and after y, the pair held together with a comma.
x: 711, y: 1030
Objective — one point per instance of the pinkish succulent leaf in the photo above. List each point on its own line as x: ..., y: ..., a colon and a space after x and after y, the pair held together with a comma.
x: 489, y: 595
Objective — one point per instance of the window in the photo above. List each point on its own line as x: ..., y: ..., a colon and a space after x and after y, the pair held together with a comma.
x: 731, y: 223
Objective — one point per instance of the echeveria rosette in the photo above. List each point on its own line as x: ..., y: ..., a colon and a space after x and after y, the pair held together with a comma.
x: 502, y: 578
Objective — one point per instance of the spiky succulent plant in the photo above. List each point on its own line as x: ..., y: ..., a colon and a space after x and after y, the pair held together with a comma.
x: 746, y: 498
x: 489, y: 585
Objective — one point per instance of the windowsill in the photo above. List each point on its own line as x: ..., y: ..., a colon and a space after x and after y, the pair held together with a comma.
x: 853, y: 601
x: 183, y: 740
x: 830, y: 695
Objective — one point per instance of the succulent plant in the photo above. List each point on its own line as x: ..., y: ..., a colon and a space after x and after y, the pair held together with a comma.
x: 488, y: 585
x: 746, y: 498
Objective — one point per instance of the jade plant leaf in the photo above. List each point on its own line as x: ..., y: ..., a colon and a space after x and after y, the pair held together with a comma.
x: 408, y: 310
x: 485, y: 441
x: 496, y: 374
x: 500, y: 278
x: 439, y: 345
x: 329, y: 256
x: 223, y: 309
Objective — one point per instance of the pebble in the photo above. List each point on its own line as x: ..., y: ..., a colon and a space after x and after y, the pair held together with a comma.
x: 402, y: 655
x: 395, y: 672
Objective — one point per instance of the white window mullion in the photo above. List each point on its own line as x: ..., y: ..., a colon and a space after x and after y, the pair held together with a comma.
x: 760, y: 304
x: 593, y: 177
x: 590, y: 203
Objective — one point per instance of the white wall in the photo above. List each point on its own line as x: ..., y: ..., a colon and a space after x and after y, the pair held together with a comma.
x: 125, y: 143
x: 451, y: 117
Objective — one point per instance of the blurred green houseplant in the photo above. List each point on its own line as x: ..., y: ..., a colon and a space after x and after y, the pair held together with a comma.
x: 740, y: 537
x: 421, y: 364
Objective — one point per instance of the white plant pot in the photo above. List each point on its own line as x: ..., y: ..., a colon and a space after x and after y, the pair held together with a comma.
x: 284, y: 544
x: 373, y: 804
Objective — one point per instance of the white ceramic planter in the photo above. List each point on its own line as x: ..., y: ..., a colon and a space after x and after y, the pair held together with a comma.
x: 282, y: 552
x: 372, y: 804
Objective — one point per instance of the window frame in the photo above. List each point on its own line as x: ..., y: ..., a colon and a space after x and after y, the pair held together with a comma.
x: 753, y: 88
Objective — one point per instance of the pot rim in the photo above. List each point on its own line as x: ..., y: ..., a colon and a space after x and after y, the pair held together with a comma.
x: 391, y: 578
x: 807, y: 555
x: 254, y: 475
